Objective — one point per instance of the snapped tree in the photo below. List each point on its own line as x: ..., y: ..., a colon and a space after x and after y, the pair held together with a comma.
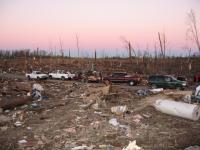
x: 192, y: 28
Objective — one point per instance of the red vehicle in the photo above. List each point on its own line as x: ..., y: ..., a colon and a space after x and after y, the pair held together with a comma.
x: 123, y: 77
x: 197, y: 77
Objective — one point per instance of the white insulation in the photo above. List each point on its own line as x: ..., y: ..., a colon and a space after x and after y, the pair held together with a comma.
x: 180, y: 109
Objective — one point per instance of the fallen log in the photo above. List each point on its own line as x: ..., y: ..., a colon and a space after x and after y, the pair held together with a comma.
x: 12, y: 103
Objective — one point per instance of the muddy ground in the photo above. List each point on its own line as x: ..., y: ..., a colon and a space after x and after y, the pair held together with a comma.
x: 74, y: 115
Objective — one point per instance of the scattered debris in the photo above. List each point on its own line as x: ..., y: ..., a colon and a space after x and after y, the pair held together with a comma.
x: 22, y: 141
x: 114, y: 122
x: 83, y: 147
x: 143, y: 92
x: 137, y: 118
x: 187, y: 99
x: 18, y: 124
x: 132, y: 146
x: 37, y: 91
x: 119, y: 110
x: 156, y: 91
x: 89, y: 116
x: 38, y: 87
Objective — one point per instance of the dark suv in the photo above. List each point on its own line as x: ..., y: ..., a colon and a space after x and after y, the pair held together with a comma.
x: 166, y: 81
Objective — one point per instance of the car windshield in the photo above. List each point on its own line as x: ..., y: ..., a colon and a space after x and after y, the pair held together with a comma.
x: 119, y: 74
x: 173, y: 78
x: 38, y: 72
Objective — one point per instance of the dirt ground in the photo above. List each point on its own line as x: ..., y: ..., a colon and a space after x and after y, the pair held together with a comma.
x: 76, y: 114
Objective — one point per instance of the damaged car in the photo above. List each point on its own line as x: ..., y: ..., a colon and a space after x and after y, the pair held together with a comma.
x: 123, y: 77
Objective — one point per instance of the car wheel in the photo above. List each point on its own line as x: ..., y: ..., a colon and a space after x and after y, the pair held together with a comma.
x: 178, y: 88
x: 50, y: 77
x: 29, y: 78
x: 131, y: 83
x: 62, y: 78
x: 38, y: 78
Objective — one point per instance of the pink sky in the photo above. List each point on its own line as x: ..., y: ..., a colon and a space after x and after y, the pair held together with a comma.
x: 99, y: 23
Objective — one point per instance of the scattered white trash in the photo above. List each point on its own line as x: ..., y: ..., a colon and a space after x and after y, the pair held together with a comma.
x: 22, y: 141
x: 18, y: 124
x: 119, y: 110
x: 155, y: 91
x: 83, y: 147
x: 113, y: 122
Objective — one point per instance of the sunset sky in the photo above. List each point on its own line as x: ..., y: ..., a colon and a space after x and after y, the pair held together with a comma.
x: 99, y: 24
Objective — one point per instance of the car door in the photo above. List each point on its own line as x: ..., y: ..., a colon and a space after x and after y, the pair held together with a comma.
x: 174, y: 83
x: 170, y: 82
x: 114, y: 77
x: 160, y: 82
x: 117, y: 77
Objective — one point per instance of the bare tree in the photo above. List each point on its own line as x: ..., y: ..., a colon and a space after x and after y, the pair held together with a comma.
x: 128, y: 46
x: 162, y: 42
x: 25, y: 60
x: 69, y: 55
x: 193, y: 30
x: 95, y: 55
x: 77, y: 44
x: 61, y: 48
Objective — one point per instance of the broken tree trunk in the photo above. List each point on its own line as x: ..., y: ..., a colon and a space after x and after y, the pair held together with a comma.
x: 12, y: 103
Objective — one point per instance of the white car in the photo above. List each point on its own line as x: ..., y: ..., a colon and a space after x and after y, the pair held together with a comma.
x: 60, y: 74
x: 36, y: 75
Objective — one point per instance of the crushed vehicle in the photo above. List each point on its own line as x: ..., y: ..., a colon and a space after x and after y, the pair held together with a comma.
x: 94, y: 76
x: 61, y: 74
x: 166, y: 81
x: 36, y: 75
x: 123, y: 77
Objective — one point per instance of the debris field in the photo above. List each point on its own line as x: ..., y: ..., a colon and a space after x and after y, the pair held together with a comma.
x: 73, y: 115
